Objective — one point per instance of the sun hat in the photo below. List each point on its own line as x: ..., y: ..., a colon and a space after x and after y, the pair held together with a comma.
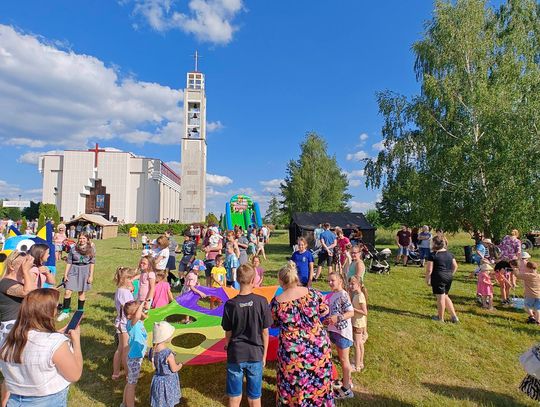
x: 525, y: 256
x: 198, y: 265
x: 486, y: 267
x: 162, y: 332
x: 487, y: 240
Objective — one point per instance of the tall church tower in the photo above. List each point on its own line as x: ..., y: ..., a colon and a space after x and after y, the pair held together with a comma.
x: 193, y: 156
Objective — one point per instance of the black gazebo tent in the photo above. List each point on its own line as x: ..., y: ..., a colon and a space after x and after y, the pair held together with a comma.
x: 304, y: 223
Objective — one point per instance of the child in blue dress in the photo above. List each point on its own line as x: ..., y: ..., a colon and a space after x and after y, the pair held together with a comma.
x: 165, y: 388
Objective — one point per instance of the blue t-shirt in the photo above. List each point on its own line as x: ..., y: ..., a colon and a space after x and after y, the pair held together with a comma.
x: 328, y: 237
x: 482, y: 249
x: 425, y: 243
x: 137, y: 340
x: 302, y: 261
x: 231, y: 262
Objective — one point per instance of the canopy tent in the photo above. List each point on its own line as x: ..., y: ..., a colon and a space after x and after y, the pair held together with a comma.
x: 304, y: 223
x: 104, y: 228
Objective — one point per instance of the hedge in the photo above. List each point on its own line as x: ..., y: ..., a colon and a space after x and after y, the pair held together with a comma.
x: 155, y: 228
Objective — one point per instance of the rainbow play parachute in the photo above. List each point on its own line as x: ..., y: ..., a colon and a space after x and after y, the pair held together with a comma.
x: 201, y: 341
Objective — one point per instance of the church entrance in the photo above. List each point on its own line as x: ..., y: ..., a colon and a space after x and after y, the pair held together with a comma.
x: 99, y: 201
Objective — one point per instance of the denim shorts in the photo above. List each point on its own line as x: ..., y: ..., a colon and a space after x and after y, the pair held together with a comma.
x: 533, y: 303
x: 340, y: 341
x: 403, y: 251
x: 134, y: 370
x: 57, y: 400
x: 235, y: 378
x: 424, y: 252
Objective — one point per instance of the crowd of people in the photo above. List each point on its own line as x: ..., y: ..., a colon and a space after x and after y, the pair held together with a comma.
x: 39, y: 362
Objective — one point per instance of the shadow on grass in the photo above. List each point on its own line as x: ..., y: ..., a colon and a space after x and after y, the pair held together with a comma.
x: 363, y: 399
x: 404, y: 313
x: 480, y: 396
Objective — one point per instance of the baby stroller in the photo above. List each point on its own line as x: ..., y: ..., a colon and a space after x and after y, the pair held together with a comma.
x: 377, y: 261
x: 414, y: 257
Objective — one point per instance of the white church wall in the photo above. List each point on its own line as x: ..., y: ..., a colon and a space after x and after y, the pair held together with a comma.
x: 113, y: 170
x: 78, y: 170
x: 51, y: 168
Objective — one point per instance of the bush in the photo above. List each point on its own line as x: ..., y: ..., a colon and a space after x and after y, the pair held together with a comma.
x: 155, y: 228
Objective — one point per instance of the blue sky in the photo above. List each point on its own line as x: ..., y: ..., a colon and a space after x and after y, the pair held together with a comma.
x: 73, y: 73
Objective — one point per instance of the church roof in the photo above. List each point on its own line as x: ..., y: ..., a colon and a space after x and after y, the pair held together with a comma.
x: 96, y: 219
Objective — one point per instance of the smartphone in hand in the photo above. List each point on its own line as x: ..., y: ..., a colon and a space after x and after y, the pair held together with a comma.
x: 75, y: 321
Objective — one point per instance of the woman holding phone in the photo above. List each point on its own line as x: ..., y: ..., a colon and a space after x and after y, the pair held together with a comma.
x: 39, y: 363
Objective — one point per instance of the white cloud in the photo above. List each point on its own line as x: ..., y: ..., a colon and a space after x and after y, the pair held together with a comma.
x: 354, y: 174
x: 175, y: 166
x: 11, y: 191
x: 32, y: 157
x: 357, y: 206
x: 363, y: 137
x: 49, y: 96
x: 358, y: 156
x: 208, y: 20
x: 218, y: 180
x: 378, y: 146
x: 214, y: 126
x: 212, y: 192
x: 272, y: 186
x: 355, y: 182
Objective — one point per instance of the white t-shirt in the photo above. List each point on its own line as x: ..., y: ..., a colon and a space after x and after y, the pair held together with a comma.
x: 164, y: 254
x: 144, y: 239
x: 37, y: 374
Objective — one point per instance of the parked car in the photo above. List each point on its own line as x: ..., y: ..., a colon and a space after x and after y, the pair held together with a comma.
x: 531, y: 239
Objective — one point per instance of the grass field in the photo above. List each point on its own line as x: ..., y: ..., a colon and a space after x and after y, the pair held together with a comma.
x: 410, y: 360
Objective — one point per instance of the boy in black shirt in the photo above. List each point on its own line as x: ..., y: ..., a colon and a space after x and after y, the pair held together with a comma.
x: 246, y: 319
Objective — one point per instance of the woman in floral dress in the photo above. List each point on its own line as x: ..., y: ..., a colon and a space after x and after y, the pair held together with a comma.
x: 304, y: 374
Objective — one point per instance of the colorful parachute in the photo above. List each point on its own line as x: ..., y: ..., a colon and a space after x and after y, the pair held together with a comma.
x: 200, y: 340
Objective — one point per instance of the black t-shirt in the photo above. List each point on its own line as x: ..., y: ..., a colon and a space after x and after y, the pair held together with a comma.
x: 9, y: 305
x: 442, y: 263
x: 246, y: 316
x: 404, y: 237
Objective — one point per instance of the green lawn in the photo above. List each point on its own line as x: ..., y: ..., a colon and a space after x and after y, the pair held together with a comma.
x: 410, y: 360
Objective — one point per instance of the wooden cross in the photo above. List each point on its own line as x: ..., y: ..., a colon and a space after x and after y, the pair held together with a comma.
x: 96, y: 150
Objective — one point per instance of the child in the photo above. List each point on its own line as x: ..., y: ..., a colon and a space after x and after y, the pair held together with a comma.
x: 303, y: 259
x: 192, y: 279
x: 144, y: 241
x: 40, y: 253
x: 162, y: 256
x: 531, y: 285
x: 123, y: 279
x: 231, y: 264
x: 340, y: 330
x: 147, y: 281
x: 162, y: 294
x: 246, y: 319
x: 359, y: 321
x: 484, y: 286
x: 165, y: 389
x: 137, y: 348
x: 188, y: 255
x: 219, y: 276
x: 259, y: 271
x: 501, y: 276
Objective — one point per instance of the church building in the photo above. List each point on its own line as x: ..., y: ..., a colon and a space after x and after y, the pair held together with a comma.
x: 119, y: 185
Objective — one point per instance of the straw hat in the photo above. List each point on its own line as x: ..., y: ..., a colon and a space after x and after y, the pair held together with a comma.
x: 487, y: 240
x: 486, y: 267
x: 525, y: 256
x: 162, y: 332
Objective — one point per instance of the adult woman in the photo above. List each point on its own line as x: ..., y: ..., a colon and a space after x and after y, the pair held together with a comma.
x: 356, y: 237
x: 58, y: 240
x: 79, y: 273
x: 36, y: 361
x: 243, y: 244
x: 440, y: 269
x: 261, y: 241
x: 304, y: 371
x: 510, y: 249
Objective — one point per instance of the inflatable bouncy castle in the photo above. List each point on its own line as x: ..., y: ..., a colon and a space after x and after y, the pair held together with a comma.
x: 241, y: 211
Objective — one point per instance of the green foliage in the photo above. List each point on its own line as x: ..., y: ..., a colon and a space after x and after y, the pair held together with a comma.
x: 10, y: 213
x: 155, y: 228
x: 24, y: 225
x: 274, y: 214
x: 212, y: 219
x: 373, y: 216
x: 314, y: 182
x: 32, y: 212
x: 465, y: 152
x: 46, y: 212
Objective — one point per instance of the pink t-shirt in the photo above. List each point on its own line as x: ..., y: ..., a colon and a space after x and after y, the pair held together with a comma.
x: 40, y: 278
x: 259, y: 272
x: 191, y: 280
x: 161, y: 295
x: 144, y: 284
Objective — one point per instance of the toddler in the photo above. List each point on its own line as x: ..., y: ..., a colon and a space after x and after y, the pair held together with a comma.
x: 137, y: 348
x: 165, y: 389
x: 219, y: 276
x: 484, y: 286
x: 531, y: 285
x: 192, y: 279
x: 162, y: 294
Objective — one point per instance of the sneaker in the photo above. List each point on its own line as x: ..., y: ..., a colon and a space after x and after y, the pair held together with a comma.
x: 63, y: 315
x: 176, y: 283
x: 337, y: 384
x: 436, y: 318
x: 531, y: 320
x: 343, y: 393
x: 454, y: 320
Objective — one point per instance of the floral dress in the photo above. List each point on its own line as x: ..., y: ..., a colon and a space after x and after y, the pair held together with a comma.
x: 304, y: 374
x: 165, y: 388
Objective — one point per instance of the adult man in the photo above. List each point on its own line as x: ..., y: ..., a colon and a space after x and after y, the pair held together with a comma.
x: 403, y: 240
x: 133, y: 236
x: 317, y: 235
x: 265, y: 233
x: 327, y: 241
x: 424, y: 244
x: 173, y: 247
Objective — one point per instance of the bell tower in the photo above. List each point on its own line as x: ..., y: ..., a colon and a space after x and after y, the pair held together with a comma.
x: 193, y: 154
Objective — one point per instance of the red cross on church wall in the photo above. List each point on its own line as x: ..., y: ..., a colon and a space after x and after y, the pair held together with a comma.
x: 96, y: 150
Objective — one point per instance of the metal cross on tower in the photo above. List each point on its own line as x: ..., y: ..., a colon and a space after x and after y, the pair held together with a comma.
x: 196, y: 57
x: 96, y: 150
